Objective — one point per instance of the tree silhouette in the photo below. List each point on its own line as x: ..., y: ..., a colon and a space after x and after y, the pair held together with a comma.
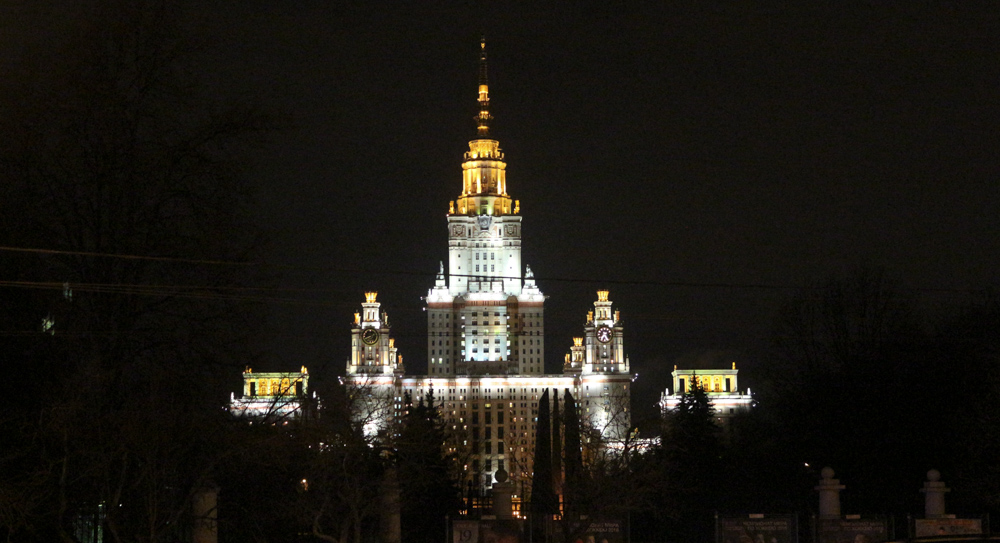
x: 428, y: 487
x: 543, y: 498
x: 557, y: 446
x: 849, y: 356
x: 692, y: 462
x: 573, y: 455
x: 120, y: 186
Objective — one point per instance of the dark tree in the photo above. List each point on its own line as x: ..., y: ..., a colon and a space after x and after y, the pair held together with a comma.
x: 849, y: 357
x: 971, y: 340
x: 121, y: 191
x: 429, y: 491
x: 557, y: 446
x: 692, y: 462
x: 574, y: 453
x: 543, y: 498
x: 318, y: 476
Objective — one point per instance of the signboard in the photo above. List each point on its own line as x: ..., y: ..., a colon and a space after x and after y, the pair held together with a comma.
x: 852, y: 531
x: 597, y: 531
x: 930, y: 527
x: 465, y: 531
x: 757, y: 529
x: 487, y: 531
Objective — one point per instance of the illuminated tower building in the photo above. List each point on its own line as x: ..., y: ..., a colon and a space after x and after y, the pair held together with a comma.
x: 483, y: 317
x: 601, y: 372
x: 485, y: 323
x: 486, y: 342
x: 604, y: 348
x: 373, y: 352
x: 374, y: 369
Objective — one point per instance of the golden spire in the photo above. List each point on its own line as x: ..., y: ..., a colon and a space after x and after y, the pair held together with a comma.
x: 484, y: 180
x: 484, y: 118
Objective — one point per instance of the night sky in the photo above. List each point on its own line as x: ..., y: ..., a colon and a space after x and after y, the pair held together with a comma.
x: 700, y: 160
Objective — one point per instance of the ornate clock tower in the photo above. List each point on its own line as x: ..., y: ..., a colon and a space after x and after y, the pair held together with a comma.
x: 603, y: 349
x: 373, y: 352
x: 484, y: 317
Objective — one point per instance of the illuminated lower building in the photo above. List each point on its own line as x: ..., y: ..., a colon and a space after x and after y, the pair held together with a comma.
x: 485, y: 336
x: 719, y: 384
x: 274, y: 397
x: 492, y: 416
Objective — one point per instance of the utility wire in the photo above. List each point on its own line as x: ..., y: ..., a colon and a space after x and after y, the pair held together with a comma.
x: 471, y: 276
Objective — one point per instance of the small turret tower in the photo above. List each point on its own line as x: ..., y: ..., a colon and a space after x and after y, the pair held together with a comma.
x: 603, y: 349
x: 373, y: 352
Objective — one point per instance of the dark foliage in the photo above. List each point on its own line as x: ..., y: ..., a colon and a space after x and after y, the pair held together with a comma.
x: 850, y: 359
x: 574, y: 453
x: 543, y: 497
x: 557, y: 445
x: 692, y: 454
x: 117, y: 189
x: 429, y: 491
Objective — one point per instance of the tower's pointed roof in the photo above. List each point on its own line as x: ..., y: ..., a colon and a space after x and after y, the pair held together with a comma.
x: 484, y: 118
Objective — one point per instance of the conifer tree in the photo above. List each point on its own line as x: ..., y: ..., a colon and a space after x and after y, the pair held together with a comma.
x: 542, y: 494
x: 693, y: 453
x: 557, y: 447
x: 573, y: 455
x: 428, y: 489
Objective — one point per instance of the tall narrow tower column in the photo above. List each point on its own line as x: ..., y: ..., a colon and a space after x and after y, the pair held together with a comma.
x: 485, y: 314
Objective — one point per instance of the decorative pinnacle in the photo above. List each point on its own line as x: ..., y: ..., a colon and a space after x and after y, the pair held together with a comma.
x: 484, y: 118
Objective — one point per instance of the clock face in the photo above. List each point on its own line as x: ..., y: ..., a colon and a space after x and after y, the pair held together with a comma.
x: 604, y: 334
x: 369, y: 336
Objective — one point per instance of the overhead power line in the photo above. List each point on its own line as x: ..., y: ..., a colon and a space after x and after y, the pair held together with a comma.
x: 471, y: 276
x: 125, y: 256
